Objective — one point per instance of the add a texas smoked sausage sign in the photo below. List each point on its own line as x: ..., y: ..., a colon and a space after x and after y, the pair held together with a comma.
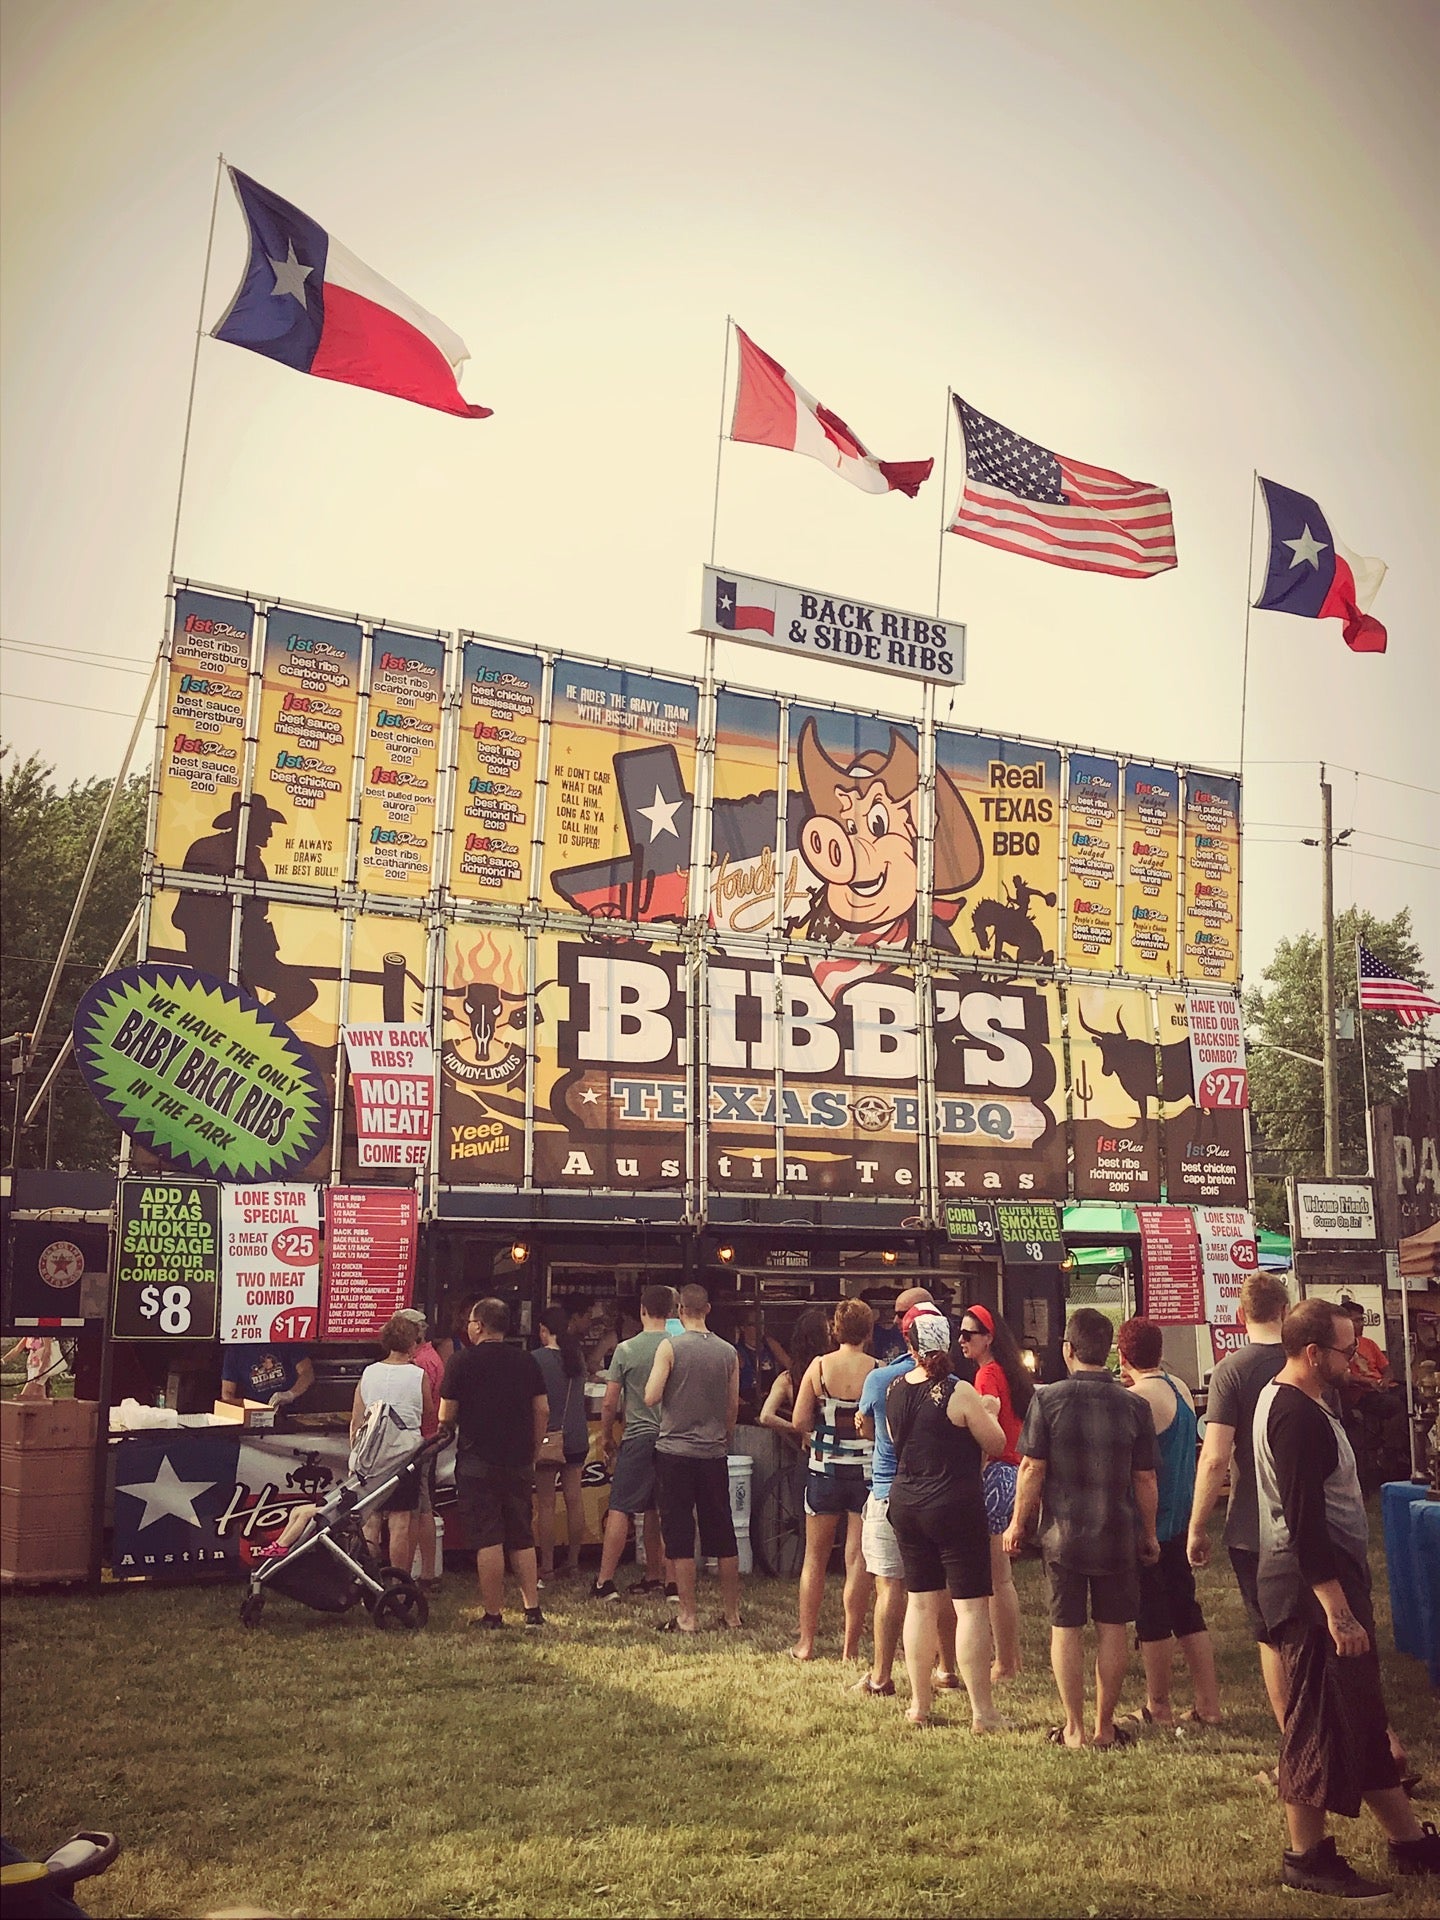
x: 198, y: 1072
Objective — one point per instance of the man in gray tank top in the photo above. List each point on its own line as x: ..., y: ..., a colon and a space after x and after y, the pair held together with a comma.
x: 695, y: 1382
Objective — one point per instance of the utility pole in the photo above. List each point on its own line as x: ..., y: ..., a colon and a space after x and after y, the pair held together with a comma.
x: 1327, y: 844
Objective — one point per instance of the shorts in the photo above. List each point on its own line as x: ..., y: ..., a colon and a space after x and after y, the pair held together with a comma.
x: 1167, y: 1596
x: 694, y: 1492
x: 846, y: 1490
x: 1114, y: 1598
x: 878, y: 1546
x: 1334, y: 1747
x: 1245, y: 1563
x: 944, y: 1547
x: 997, y: 1483
x: 495, y: 1504
x: 427, y: 1485
x: 632, y: 1484
x: 406, y: 1497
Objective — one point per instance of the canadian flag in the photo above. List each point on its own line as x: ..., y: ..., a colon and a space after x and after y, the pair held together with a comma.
x: 772, y: 409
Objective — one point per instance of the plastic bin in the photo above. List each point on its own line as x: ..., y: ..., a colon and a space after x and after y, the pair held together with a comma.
x: 1425, y: 1554
x: 439, y: 1550
x: 1397, y: 1497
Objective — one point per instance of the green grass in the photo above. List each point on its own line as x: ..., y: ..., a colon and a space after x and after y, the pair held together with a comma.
x: 316, y: 1767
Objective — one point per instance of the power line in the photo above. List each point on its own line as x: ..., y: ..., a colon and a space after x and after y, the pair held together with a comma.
x: 1359, y: 772
x: 39, y: 700
x: 86, y: 656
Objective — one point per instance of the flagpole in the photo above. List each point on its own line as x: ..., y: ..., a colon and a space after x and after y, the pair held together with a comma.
x: 720, y: 440
x: 944, y: 495
x: 103, y: 829
x: 1245, y: 657
x: 1364, y: 1068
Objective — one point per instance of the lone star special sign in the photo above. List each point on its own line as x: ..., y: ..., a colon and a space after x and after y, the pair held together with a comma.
x: 656, y: 932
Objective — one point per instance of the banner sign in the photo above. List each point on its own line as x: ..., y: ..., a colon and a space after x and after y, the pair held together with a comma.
x: 1204, y: 1146
x: 1011, y: 795
x: 369, y: 1259
x: 270, y: 1264
x: 1217, y: 1050
x: 1029, y: 1233
x: 199, y: 1072
x: 406, y: 688
x: 620, y: 793
x: 392, y: 1072
x: 1150, y: 870
x: 167, y: 1260
x: 1333, y: 1213
x: 999, y: 1088
x: 484, y: 1084
x: 832, y: 630
x: 1114, y: 1094
x: 748, y: 888
x: 1170, y: 1261
x: 305, y: 747
x: 496, y: 775
x: 207, y: 698
x: 57, y: 1272
x: 1092, y: 862
x: 1228, y: 1251
x: 1212, y: 878
x: 971, y: 1220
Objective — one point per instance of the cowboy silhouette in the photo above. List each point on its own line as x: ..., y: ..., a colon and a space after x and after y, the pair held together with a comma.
x: 203, y: 919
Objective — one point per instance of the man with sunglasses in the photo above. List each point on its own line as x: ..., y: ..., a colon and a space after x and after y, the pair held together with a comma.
x: 1314, y: 1591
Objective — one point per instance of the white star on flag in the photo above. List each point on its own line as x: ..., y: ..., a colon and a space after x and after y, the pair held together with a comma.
x: 661, y: 815
x: 166, y: 1494
x: 1306, y: 548
x: 290, y: 276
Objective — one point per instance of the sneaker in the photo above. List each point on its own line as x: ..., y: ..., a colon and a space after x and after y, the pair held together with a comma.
x: 1323, y: 1870
x: 672, y: 1593
x: 1417, y: 1856
x: 534, y: 1617
x: 490, y: 1621
x: 646, y: 1586
x: 605, y: 1590
x: 868, y: 1690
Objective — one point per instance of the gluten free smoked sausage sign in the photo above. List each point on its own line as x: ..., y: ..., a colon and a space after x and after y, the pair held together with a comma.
x: 197, y: 1071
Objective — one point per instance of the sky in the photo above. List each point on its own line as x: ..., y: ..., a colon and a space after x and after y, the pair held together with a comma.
x: 1188, y: 243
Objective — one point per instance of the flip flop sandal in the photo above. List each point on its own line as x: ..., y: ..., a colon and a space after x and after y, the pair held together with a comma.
x: 1124, y: 1737
x: 1192, y: 1718
x: 672, y: 1625
x: 867, y: 1689
x: 946, y: 1683
x: 1055, y: 1737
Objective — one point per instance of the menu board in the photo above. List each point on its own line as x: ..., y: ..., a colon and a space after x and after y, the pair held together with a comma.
x: 402, y: 763
x: 1092, y: 862
x: 305, y: 748
x: 971, y: 1220
x: 167, y: 1260
x: 369, y: 1259
x: 270, y: 1264
x: 206, y: 696
x: 392, y: 1073
x: 1228, y: 1251
x: 1150, y: 868
x: 1212, y: 878
x: 496, y: 793
x: 1170, y: 1254
x: 1030, y: 1232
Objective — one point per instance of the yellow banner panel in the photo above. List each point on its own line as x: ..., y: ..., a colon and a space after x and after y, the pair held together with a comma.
x: 203, y: 760
x: 1212, y: 879
x: 495, y: 781
x: 305, y: 748
x: 1011, y: 794
x: 482, y: 1057
x: 402, y: 763
x: 1114, y: 1094
x: 1150, y: 868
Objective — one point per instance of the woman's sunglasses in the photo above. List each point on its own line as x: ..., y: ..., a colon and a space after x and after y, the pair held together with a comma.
x: 971, y: 1333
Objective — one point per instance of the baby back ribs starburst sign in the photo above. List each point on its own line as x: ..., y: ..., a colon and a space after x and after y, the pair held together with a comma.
x: 198, y: 1072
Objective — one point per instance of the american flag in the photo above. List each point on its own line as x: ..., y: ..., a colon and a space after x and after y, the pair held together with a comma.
x: 1025, y: 499
x: 1383, y: 991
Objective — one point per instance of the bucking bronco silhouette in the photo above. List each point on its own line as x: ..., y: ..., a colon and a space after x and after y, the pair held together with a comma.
x: 1008, y: 924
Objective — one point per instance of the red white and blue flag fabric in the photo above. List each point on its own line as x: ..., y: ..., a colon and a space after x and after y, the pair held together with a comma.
x: 1383, y: 991
x: 308, y: 302
x: 1311, y: 574
x: 735, y: 615
x: 772, y: 409
x: 1022, y: 498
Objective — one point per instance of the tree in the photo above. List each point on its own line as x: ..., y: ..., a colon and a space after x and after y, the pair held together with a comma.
x: 45, y: 840
x: 1287, y: 1095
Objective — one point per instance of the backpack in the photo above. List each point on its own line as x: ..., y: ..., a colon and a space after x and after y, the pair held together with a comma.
x: 387, y: 1436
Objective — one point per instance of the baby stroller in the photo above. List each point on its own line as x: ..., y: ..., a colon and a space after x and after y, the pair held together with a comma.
x: 332, y: 1567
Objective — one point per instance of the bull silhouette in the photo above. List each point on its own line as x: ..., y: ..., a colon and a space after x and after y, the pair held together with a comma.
x: 1133, y: 1063
x: 485, y: 1008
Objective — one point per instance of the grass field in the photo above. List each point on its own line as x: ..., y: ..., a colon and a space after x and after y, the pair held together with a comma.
x: 313, y: 1766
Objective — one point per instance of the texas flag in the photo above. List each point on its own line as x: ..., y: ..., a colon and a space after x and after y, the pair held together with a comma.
x: 772, y: 409
x: 751, y: 611
x: 307, y: 301
x: 1311, y: 574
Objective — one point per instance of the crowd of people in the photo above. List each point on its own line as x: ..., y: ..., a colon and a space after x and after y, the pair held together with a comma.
x: 938, y: 1468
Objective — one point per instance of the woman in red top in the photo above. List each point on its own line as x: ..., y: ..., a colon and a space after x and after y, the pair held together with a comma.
x: 999, y: 1371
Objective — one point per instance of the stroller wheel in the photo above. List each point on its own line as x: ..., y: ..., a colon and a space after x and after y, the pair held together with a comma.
x: 402, y: 1604
x: 251, y: 1608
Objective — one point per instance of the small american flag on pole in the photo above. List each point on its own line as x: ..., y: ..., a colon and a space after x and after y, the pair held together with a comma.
x: 1383, y: 991
x: 1021, y: 497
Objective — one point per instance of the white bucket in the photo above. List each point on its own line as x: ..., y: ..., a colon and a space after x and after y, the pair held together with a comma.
x: 742, y: 1474
x: 439, y: 1550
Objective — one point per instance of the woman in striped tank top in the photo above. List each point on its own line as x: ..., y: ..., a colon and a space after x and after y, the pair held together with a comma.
x: 839, y: 1477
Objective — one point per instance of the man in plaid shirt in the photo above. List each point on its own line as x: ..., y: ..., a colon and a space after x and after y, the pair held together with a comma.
x: 1088, y: 1469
